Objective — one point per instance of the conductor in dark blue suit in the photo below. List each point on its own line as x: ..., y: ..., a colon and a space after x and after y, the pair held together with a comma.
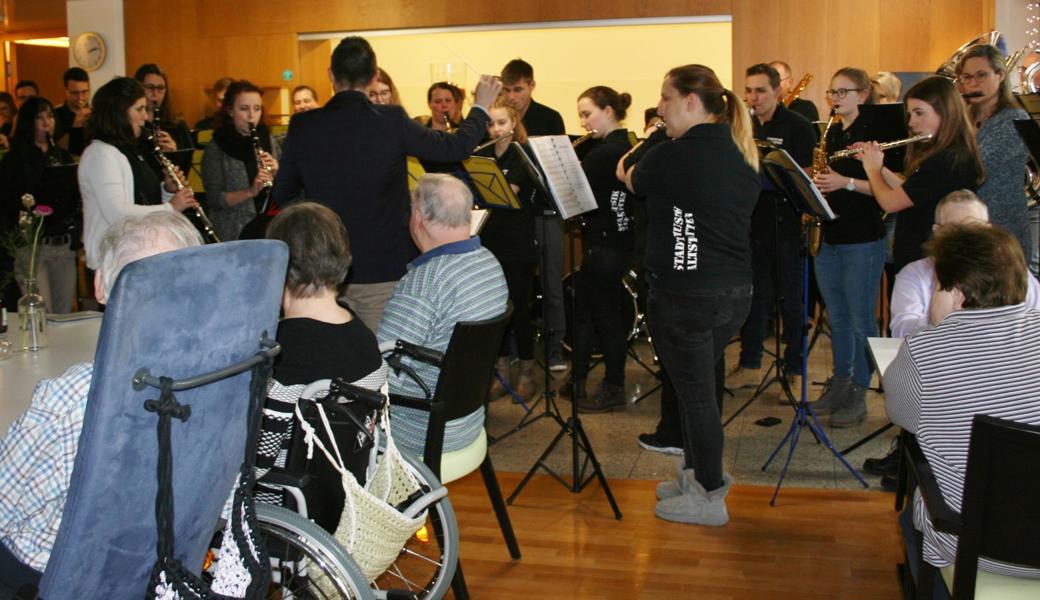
x: 351, y: 155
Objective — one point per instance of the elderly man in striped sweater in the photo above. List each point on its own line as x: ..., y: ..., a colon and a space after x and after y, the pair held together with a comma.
x: 454, y: 279
x: 980, y: 356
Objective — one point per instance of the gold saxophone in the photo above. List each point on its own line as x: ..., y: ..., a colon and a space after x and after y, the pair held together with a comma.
x: 812, y: 228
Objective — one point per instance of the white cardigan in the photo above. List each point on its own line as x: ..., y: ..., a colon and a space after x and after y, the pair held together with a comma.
x: 106, y: 184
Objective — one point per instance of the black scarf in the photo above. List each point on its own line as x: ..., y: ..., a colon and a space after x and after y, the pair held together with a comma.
x: 146, y: 180
x: 240, y: 147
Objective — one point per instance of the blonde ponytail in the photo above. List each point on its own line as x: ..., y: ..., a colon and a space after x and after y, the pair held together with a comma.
x: 742, y: 129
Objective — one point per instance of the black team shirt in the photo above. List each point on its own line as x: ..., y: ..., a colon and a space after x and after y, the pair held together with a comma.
x: 790, y: 131
x: 542, y: 120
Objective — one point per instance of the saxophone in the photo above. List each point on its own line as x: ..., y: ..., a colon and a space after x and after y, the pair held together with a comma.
x: 812, y: 228
x: 797, y: 90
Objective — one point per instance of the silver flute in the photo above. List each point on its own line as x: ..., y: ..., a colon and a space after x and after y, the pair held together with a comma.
x: 840, y: 154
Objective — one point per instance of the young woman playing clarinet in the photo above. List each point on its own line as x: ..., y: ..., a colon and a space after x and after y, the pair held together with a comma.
x: 700, y: 189
x: 946, y: 162
x: 441, y: 100
x: 173, y: 133
x: 852, y: 255
x: 237, y: 169
x: 983, y: 80
x: 509, y: 235
x: 607, y: 241
x: 115, y: 181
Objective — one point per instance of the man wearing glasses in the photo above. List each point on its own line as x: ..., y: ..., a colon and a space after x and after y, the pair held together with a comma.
x: 775, y: 233
x: 800, y: 105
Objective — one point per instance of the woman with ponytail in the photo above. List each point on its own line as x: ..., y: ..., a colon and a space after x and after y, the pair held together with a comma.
x: 607, y: 240
x: 700, y: 190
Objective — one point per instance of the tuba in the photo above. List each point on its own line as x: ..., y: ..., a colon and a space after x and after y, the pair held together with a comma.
x: 812, y: 228
x: 949, y: 68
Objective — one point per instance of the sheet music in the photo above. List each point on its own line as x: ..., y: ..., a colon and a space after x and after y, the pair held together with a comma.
x: 567, y: 182
x: 477, y: 220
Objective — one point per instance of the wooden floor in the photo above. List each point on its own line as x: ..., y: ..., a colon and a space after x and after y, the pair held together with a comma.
x: 814, y: 544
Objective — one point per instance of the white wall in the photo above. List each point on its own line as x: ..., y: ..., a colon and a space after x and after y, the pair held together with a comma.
x: 1011, y: 21
x: 106, y: 18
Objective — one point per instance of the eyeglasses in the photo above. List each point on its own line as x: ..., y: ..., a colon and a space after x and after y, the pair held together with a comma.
x: 840, y: 93
x: 970, y: 77
x: 154, y: 88
x: 380, y: 94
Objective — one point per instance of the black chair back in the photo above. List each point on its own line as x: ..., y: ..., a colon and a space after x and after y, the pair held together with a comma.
x: 1001, y: 502
x: 466, y: 371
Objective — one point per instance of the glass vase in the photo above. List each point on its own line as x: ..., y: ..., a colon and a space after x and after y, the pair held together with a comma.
x: 32, y: 318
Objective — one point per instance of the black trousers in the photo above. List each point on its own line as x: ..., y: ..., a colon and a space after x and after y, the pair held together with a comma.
x: 519, y: 276
x: 599, y: 305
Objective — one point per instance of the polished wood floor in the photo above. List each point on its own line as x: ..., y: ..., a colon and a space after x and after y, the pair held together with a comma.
x: 815, y: 543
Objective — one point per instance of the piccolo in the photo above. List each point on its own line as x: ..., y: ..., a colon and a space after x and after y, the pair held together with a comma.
x: 840, y: 154
x: 583, y: 138
x: 492, y: 142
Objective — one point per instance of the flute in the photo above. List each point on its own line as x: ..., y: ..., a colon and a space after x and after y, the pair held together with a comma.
x: 583, y: 138
x: 840, y: 154
x: 492, y: 142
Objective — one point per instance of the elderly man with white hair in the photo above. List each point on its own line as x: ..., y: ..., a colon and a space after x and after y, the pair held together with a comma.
x: 37, y: 454
x: 912, y: 292
x: 454, y: 279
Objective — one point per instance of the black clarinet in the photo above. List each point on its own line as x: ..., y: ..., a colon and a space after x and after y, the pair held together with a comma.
x: 195, y: 213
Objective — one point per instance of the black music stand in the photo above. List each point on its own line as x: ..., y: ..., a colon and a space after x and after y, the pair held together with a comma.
x: 572, y: 426
x: 806, y: 199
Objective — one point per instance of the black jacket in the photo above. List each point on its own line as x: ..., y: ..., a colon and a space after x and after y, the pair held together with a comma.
x: 350, y: 155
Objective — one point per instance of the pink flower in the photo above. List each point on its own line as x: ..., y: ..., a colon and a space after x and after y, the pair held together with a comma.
x: 43, y: 210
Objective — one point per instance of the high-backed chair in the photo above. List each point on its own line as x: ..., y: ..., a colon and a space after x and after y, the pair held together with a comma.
x: 1000, y: 511
x: 466, y: 368
x: 178, y: 314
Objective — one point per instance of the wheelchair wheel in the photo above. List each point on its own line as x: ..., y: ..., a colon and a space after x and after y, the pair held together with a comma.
x: 427, y: 563
x: 306, y: 562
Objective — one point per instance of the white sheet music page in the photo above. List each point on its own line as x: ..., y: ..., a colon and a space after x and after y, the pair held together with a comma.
x: 567, y: 182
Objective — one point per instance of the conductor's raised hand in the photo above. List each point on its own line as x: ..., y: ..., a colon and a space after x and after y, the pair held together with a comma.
x: 487, y: 90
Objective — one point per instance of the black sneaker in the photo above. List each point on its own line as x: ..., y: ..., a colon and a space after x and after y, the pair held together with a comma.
x: 888, y: 465
x: 557, y: 362
x: 649, y: 441
x: 889, y: 483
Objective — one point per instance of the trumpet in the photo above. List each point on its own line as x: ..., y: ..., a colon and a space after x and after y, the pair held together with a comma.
x: 492, y: 142
x: 260, y: 165
x: 840, y: 154
x: 583, y: 138
x: 201, y: 221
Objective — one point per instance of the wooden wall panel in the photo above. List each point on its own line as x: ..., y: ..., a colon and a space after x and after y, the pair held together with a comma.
x: 212, y: 38
x: 44, y: 65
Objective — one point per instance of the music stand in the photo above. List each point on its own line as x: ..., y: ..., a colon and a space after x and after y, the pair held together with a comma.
x: 565, y: 184
x: 1030, y: 103
x: 493, y: 191
x: 415, y: 171
x: 807, y: 199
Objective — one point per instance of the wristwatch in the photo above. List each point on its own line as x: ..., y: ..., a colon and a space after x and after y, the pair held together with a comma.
x: 851, y: 185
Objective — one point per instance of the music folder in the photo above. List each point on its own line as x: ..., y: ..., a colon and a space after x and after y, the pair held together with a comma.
x: 799, y: 189
x: 415, y: 171
x: 1029, y: 131
x: 886, y: 123
x: 493, y: 190
x: 564, y: 178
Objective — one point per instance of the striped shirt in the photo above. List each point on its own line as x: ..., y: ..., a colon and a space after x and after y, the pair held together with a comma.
x: 460, y: 281
x: 981, y: 361
x: 36, y: 458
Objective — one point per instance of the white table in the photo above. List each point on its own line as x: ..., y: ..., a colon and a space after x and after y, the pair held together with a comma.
x: 68, y: 344
x: 883, y: 350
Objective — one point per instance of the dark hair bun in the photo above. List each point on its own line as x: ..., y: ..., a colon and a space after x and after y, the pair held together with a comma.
x: 625, y: 99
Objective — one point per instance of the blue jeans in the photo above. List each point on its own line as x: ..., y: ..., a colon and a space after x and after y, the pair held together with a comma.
x: 691, y: 330
x: 849, y: 276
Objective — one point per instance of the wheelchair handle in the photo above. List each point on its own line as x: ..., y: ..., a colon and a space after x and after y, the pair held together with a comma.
x: 269, y: 348
x: 370, y: 398
x: 426, y: 355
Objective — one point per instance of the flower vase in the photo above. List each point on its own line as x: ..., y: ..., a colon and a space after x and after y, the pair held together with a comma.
x: 32, y: 318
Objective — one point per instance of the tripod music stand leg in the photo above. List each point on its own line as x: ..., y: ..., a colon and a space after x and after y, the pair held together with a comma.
x: 866, y: 439
x: 591, y: 455
x: 796, y: 429
x: 540, y: 463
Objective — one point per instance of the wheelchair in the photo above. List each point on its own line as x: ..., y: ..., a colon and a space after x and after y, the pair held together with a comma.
x: 308, y: 562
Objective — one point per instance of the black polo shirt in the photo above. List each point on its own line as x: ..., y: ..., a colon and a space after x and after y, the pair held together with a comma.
x: 542, y: 120
x: 790, y: 131
x: 63, y: 120
x: 859, y: 216
x: 805, y: 108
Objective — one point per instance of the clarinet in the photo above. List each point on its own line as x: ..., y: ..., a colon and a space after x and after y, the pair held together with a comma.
x: 201, y: 221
